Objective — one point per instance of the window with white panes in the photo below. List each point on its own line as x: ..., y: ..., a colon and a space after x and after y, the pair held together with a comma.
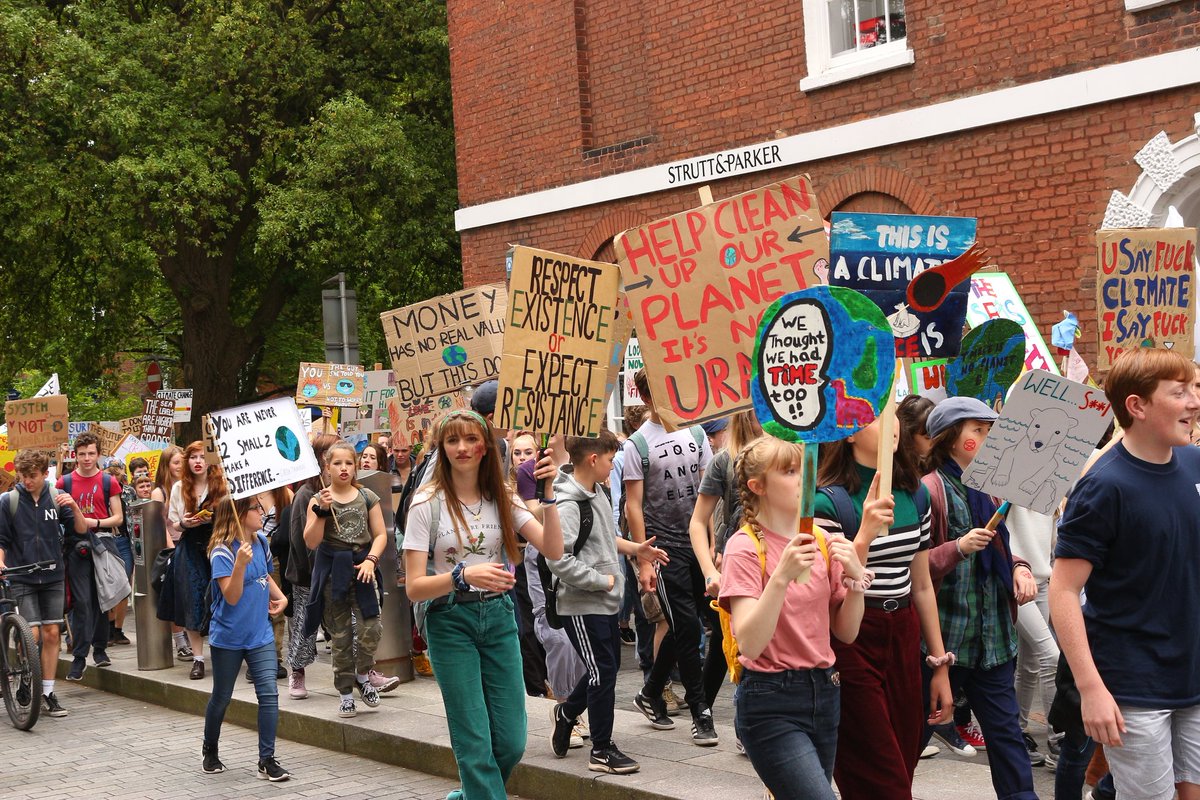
x: 846, y: 39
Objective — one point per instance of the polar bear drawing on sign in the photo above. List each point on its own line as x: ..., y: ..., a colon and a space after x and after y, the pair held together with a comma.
x: 1037, y: 454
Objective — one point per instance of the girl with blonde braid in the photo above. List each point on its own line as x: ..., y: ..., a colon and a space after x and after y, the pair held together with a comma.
x: 783, y: 608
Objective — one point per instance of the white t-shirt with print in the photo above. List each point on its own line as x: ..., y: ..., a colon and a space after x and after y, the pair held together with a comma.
x: 482, y: 543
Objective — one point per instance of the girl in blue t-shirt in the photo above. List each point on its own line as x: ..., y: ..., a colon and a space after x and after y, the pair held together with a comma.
x: 243, y: 597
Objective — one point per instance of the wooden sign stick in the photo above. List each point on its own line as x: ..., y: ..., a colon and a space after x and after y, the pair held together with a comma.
x: 706, y: 198
x: 332, y: 510
x: 998, y: 517
x: 808, y: 498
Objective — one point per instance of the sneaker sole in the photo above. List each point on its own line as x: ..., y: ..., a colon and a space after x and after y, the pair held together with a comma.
x: 369, y: 704
x: 212, y: 771
x: 613, y: 770
x: 298, y: 695
x: 706, y: 742
x: 658, y: 726
x: 347, y: 714
x: 265, y: 777
x: 76, y: 678
x: 58, y: 714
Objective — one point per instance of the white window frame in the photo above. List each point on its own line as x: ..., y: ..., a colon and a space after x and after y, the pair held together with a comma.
x: 825, y: 69
x: 1142, y: 5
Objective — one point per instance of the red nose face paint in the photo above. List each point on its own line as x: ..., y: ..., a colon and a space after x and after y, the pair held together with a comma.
x: 969, y: 445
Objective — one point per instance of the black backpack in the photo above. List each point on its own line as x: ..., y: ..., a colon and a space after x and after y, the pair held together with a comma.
x: 106, y: 489
x: 415, y: 476
x: 550, y: 581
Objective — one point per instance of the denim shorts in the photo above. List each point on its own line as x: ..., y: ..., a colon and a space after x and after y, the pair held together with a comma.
x: 40, y: 604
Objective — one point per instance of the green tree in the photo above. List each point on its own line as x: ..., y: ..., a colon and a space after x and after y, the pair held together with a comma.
x: 179, y: 177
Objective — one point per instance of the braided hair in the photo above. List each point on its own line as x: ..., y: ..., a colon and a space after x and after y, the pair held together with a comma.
x: 765, y: 454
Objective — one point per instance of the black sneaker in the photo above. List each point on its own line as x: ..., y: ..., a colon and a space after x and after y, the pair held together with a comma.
x: 52, y: 706
x: 119, y: 637
x: 560, y: 739
x: 1036, y: 759
x: 628, y: 636
x: 212, y: 765
x: 269, y: 770
x: 612, y: 761
x: 655, y: 710
x: 370, y: 695
x: 101, y: 658
x: 949, y: 735
x: 704, y: 733
x: 78, y: 667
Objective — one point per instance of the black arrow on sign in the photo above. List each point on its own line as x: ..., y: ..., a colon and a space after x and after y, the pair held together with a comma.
x: 798, y: 235
x: 647, y: 281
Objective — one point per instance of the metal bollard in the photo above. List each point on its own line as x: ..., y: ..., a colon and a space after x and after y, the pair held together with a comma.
x: 395, y: 645
x: 148, y: 537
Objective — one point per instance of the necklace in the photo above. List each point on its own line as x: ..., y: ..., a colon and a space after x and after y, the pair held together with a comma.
x: 476, y: 513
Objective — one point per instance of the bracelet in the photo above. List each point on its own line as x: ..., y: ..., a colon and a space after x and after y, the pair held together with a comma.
x: 458, y: 578
x: 958, y: 547
x: 374, y: 559
x: 322, y: 512
x: 935, y: 661
x: 860, y: 585
x: 553, y: 501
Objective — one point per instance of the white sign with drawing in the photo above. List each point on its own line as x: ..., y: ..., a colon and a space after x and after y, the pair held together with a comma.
x: 1038, y: 447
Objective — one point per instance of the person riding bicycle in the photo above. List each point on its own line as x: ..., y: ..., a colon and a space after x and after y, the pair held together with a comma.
x: 31, y: 530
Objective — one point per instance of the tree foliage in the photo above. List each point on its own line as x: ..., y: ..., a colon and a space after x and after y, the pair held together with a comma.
x: 178, y: 177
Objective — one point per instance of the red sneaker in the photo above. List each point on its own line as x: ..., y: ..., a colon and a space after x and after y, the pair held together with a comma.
x: 972, y: 736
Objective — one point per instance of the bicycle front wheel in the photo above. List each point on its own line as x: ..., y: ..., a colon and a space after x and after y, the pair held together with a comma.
x: 21, y: 672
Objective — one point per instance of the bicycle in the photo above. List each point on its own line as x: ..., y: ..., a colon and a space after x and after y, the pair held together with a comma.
x: 20, y: 659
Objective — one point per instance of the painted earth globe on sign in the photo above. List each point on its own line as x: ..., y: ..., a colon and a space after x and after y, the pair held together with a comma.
x: 345, y: 386
x: 455, y: 355
x: 287, y: 444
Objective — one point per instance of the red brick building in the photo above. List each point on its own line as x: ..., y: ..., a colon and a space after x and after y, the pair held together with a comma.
x: 576, y: 120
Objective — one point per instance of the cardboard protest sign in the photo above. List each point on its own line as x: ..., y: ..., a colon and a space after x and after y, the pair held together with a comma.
x: 621, y: 337
x: 1146, y: 291
x: 262, y: 446
x: 39, y: 423
x: 1037, y: 449
x: 157, y: 421
x: 447, y: 343
x: 993, y: 296
x: 380, y: 387
x: 992, y: 357
x: 50, y: 387
x: 929, y: 378
x: 182, y: 399
x: 330, y: 385
x: 131, y: 425
x: 108, y: 439
x: 128, y: 446
x: 76, y: 428
x: 151, y: 456
x: 4, y: 438
x: 411, y: 422
x: 7, y: 457
x: 880, y: 254
x: 558, y: 343
x: 698, y: 283
x: 115, y: 425
x: 7, y: 481
x: 823, y: 365
x: 211, y: 456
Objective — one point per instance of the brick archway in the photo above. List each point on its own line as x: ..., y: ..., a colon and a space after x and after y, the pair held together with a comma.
x: 599, y: 238
x: 1170, y: 178
x: 878, y: 180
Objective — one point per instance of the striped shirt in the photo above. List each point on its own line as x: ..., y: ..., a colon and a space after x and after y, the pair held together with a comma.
x: 888, y: 556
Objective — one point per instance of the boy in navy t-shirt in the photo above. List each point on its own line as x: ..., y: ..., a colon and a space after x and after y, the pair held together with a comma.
x: 1130, y: 535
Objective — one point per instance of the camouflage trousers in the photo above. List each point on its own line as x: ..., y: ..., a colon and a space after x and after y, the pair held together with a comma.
x: 353, y: 652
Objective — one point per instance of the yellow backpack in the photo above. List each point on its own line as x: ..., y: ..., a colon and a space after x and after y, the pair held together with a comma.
x: 729, y: 644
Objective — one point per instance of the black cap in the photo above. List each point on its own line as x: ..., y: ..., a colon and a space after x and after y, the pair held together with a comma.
x: 483, y: 399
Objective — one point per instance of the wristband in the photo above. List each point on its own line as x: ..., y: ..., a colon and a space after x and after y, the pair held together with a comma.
x: 860, y: 585
x: 552, y: 501
x: 456, y: 575
x: 374, y: 559
x: 958, y: 547
x: 947, y: 660
x: 322, y: 512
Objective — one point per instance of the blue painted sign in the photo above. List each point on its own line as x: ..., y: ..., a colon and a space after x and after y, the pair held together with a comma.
x: 823, y: 365
x: 879, y: 254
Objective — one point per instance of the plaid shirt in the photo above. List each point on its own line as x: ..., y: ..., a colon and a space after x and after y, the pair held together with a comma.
x: 976, y: 621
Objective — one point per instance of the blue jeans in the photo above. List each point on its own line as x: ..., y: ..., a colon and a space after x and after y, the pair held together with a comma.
x: 475, y: 652
x: 125, y: 550
x: 1073, y: 759
x: 788, y: 723
x: 226, y: 664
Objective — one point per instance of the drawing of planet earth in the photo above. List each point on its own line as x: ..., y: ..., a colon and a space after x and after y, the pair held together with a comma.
x: 287, y: 444
x: 455, y: 355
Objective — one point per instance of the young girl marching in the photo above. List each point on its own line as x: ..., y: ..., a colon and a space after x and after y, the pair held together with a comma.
x: 788, y: 702
x: 463, y: 526
x: 240, y: 629
x: 882, y: 718
x: 345, y: 528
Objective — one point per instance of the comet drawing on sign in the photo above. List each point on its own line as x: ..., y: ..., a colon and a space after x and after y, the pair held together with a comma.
x: 927, y: 290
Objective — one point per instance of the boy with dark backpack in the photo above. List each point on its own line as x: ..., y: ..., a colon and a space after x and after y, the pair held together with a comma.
x: 587, y: 596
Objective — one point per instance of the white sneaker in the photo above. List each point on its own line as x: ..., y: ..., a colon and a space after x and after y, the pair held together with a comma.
x: 930, y: 751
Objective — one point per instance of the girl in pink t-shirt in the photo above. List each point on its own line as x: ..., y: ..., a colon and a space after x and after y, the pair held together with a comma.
x: 788, y: 703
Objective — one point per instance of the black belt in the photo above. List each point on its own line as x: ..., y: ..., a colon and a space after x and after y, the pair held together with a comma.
x: 888, y: 604
x: 471, y: 596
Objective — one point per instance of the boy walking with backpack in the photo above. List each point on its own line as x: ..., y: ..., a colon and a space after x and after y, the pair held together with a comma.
x: 98, y: 497
x: 662, y: 479
x: 33, y: 517
x: 590, y: 590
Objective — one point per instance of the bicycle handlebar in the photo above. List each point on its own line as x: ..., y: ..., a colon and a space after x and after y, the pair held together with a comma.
x: 26, y: 569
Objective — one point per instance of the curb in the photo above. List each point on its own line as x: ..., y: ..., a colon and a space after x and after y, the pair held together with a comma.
x: 527, y: 781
